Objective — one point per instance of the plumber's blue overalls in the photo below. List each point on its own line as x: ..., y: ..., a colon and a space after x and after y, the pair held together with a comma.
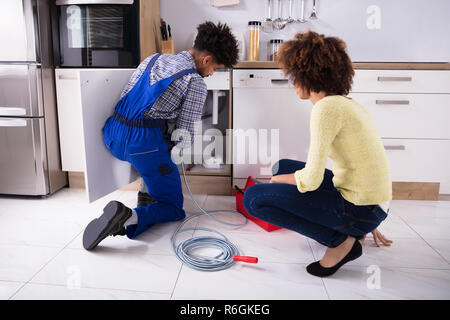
x: 143, y: 142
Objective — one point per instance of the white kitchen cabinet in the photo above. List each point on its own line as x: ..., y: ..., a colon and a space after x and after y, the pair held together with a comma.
x: 408, y: 115
x: 418, y: 160
x: 411, y: 109
x: 402, y: 81
x: 86, y: 98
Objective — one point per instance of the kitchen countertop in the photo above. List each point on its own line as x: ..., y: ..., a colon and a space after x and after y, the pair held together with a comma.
x: 356, y: 65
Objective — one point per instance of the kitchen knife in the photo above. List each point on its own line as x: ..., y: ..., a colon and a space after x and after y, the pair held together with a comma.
x: 164, y: 30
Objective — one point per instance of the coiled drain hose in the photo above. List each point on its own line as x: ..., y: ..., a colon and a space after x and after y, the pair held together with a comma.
x: 184, y: 251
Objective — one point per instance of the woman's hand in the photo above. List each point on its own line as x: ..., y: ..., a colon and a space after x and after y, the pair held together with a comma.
x: 378, y: 236
x: 284, y: 178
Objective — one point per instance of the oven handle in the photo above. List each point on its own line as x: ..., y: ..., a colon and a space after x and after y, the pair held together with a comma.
x: 70, y: 2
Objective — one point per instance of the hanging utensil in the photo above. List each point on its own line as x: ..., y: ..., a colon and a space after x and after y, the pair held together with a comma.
x: 277, y: 21
x: 267, y: 25
x: 290, y: 19
x: 314, y: 12
x: 302, y: 15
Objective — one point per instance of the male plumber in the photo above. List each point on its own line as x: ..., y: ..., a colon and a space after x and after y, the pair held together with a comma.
x: 163, y: 88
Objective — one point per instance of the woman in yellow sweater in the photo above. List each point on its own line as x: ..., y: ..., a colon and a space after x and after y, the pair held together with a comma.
x: 338, y: 207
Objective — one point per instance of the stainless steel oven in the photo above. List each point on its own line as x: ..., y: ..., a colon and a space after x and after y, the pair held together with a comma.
x: 96, y: 33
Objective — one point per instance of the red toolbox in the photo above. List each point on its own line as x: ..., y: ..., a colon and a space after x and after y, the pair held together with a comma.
x: 240, y: 207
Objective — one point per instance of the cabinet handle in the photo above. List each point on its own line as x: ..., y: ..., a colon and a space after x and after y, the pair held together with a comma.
x: 395, y: 147
x: 13, y: 123
x: 402, y: 102
x: 66, y: 77
x: 8, y: 111
x: 279, y: 81
x: 394, y: 78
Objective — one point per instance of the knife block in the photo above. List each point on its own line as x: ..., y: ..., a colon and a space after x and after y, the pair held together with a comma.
x: 167, y: 46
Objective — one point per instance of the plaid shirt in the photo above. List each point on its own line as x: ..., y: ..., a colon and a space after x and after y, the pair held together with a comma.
x: 182, y: 102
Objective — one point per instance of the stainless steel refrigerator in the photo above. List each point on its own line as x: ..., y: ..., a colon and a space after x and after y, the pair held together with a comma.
x: 30, y: 162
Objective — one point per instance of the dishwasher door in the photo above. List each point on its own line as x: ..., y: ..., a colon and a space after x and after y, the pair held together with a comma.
x: 264, y: 99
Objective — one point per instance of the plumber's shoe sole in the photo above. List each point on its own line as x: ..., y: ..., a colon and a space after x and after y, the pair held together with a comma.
x: 110, y: 222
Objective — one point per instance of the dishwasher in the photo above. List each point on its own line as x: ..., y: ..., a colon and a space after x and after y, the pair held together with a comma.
x: 264, y: 101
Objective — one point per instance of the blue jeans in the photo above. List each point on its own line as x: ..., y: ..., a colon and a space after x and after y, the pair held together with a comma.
x: 323, y: 214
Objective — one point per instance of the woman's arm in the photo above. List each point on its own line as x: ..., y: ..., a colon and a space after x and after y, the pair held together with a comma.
x: 326, y: 121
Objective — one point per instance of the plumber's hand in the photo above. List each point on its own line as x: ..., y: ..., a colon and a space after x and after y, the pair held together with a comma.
x: 284, y: 178
x: 378, y: 236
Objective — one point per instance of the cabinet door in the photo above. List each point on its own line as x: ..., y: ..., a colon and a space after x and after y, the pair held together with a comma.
x: 69, y: 116
x: 100, y: 91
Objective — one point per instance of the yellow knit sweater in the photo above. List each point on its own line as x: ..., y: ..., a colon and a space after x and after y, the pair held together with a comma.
x: 344, y: 131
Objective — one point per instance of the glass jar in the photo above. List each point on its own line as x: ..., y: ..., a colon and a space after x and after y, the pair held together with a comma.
x: 272, y: 49
x: 254, y: 32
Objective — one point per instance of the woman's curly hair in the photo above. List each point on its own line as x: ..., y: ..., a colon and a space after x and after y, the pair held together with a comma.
x: 317, y: 63
x: 218, y: 41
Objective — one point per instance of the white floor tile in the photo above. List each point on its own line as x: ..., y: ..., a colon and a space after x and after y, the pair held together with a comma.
x: 20, y: 263
x: 52, y: 292
x: 357, y: 283
x: 17, y: 230
x: 403, y: 253
x: 394, y: 227
x: 429, y: 227
x: 109, y: 268
x: 281, y: 246
x: 441, y: 246
x: 7, y: 289
x: 250, y: 281
x: 70, y: 196
x: 417, y: 208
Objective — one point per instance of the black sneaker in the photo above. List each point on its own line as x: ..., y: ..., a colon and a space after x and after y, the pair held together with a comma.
x: 111, y: 222
x: 144, y: 199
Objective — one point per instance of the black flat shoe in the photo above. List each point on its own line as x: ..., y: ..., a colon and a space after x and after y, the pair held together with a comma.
x: 317, y: 270
x: 144, y: 199
x: 109, y: 223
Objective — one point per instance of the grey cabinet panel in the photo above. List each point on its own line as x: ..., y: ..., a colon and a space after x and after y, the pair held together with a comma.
x: 100, y: 91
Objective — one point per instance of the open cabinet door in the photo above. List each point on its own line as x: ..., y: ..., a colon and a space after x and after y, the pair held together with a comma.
x: 100, y: 91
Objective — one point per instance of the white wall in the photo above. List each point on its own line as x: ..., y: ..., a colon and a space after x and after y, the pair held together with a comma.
x: 410, y: 30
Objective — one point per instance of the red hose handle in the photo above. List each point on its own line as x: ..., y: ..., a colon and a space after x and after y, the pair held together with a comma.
x: 246, y: 259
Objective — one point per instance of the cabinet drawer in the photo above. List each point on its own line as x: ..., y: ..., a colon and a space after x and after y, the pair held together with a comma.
x: 419, y: 160
x: 402, y: 81
x: 408, y: 115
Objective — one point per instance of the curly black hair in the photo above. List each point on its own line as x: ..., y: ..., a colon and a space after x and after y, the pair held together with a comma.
x: 218, y: 41
x: 317, y: 63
